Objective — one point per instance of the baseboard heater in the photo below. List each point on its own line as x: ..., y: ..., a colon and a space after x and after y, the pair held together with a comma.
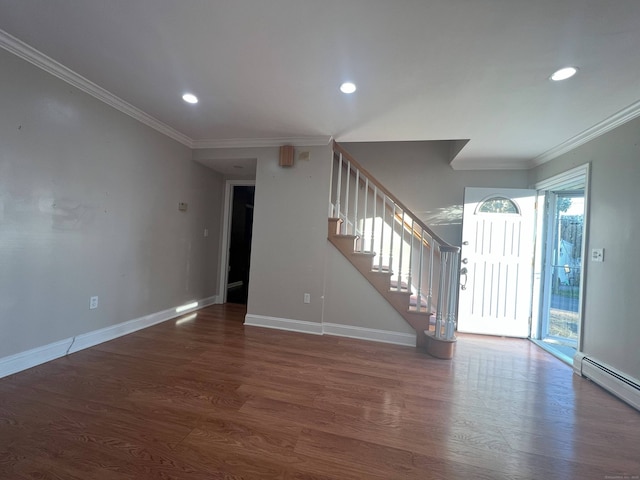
x: 621, y: 385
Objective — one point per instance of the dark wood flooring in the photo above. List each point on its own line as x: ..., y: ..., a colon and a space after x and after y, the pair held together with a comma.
x: 207, y: 398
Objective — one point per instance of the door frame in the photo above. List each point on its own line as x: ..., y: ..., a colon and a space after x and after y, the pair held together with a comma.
x: 568, y: 180
x: 226, y: 233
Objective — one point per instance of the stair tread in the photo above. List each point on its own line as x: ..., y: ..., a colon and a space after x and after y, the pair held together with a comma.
x: 375, y: 268
x: 399, y: 292
x: 378, y: 272
x: 421, y: 312
x: 342, y: 235
x: 364, y: 254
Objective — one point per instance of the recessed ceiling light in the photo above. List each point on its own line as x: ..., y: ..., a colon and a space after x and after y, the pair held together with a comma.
x: 190, y: 98
x: 348, y: 87
x: 564, y: 73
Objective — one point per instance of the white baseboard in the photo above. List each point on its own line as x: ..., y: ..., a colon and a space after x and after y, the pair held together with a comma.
x: 283, y: 324
x: 213, y: 300
x: 39, y: 355
x: 30, y: 358
x: 370, y: 334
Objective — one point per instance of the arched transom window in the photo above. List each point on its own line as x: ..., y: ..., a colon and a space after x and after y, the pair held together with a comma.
x: 498, y: 205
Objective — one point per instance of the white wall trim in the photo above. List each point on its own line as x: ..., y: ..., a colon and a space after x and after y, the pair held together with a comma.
x: 320, y: 140
x: 55, y: 68
x: 370, y: 334
x: 360, y: 333
x: 608, y: 124
x: 471, y: 164
x: 39, y: 355
x: 30, y: 358
x: 287, y: 324
x: 573, y: 179
x: 617, y: 119
x: 49, y: 65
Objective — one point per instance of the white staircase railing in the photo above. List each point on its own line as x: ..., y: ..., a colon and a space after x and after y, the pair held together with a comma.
x: 419, y: 260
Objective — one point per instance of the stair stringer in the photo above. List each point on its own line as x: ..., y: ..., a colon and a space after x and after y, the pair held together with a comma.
x: 345, y: 244
x: 351, y: 301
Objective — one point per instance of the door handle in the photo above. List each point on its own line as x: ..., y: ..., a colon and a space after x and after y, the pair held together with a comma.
x: 463, y: 271
x: 465, y: 243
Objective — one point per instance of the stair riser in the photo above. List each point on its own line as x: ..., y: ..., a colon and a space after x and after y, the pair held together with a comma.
x: 344, y: 244
x: 399, y: 301
x: 361, y: 262
x: 381, y: 282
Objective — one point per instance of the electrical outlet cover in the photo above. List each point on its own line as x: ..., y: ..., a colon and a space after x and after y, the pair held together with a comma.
x: 597, y: 254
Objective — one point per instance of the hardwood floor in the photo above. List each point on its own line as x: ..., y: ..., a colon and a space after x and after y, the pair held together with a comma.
x: 207, y: 398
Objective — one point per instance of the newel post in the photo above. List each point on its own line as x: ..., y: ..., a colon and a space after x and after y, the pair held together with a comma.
x: 441, y: 342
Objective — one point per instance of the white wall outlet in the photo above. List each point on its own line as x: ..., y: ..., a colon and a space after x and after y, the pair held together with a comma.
x: 307, y: 298
x: 93, y: 303
x: 597, y: 254
x: 206, y: 232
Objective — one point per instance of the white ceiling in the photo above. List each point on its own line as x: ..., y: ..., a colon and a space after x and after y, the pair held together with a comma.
x: 426, y: 69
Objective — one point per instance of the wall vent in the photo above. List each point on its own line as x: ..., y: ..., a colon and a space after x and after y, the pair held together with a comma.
x: 621, y: 385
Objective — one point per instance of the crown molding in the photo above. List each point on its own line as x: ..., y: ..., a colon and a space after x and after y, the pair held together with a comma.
x: 320, y: 140
x: 483, y: 164
x: 620, y: 118
x: 49, y: 65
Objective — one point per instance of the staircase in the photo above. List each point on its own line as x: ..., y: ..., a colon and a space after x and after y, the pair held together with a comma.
x: 403, y: 259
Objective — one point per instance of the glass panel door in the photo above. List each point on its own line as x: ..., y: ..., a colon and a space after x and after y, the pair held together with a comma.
x: 563, y: 267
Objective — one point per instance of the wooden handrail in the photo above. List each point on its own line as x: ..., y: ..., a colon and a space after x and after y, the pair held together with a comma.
x: 338, y: 148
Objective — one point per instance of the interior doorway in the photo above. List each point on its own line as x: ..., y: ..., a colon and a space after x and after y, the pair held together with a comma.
x: 235, y: 248
x: 240, y: 243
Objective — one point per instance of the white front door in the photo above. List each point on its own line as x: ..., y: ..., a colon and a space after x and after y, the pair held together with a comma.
x: 498, y: 227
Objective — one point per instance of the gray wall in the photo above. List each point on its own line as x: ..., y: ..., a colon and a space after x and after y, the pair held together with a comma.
x: 289, y: 235
x: 290, y: 255
x: 350, y: 299
x: 611, y: 330
x: 419, y: 174
x: 88, y: 206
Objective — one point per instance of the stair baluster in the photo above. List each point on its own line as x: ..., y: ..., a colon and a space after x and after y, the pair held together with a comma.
x: 339, y: 192
x: 420, y: 264
x: 401, y: 257
x: 393, y: 234
x: 380, y: 255
x: 346, y: 198
x: 373, y: 219
x: 355, y: 241
x: 410, y: 273
x: 364, y: 219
